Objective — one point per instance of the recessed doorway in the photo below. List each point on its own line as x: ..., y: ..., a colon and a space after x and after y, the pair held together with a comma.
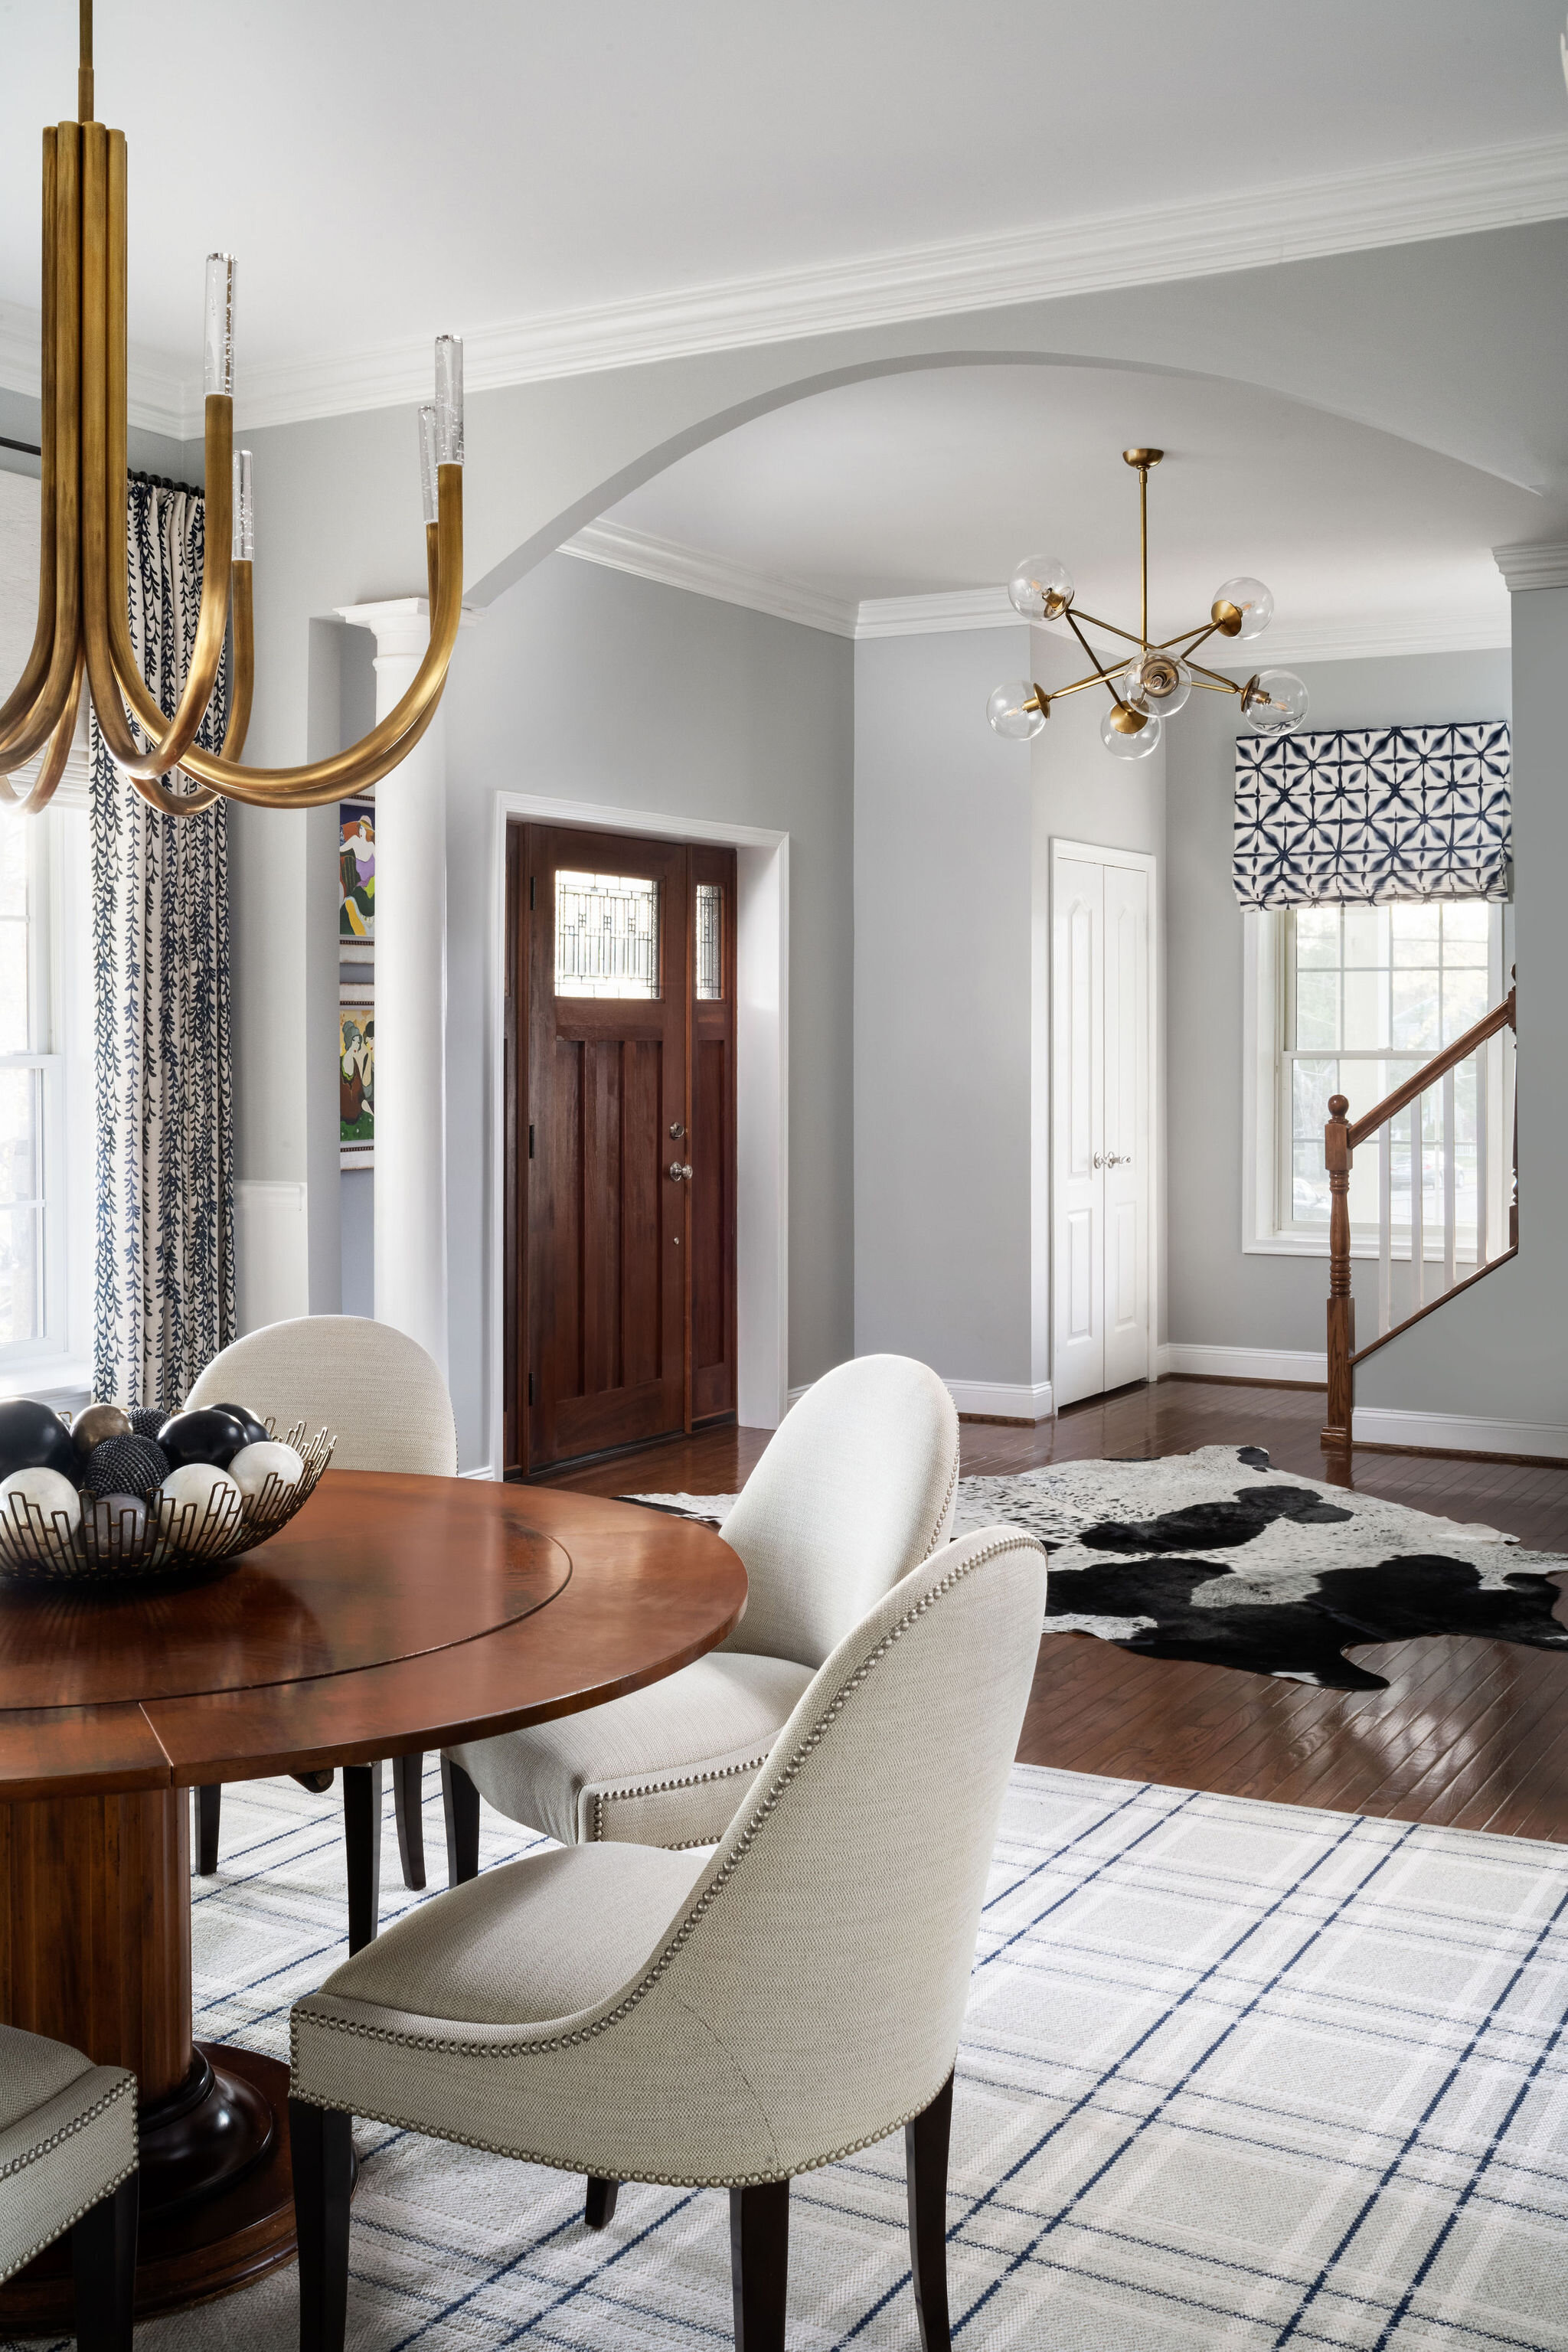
x: 620, y: 1219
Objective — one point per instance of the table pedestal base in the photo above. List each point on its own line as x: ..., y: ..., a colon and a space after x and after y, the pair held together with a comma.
x: 203, y: 2240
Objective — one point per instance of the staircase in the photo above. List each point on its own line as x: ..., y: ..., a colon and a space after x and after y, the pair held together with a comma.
x: 1486, y: 1135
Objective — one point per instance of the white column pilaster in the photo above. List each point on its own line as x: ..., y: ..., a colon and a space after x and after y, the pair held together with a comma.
x: 410, y: 996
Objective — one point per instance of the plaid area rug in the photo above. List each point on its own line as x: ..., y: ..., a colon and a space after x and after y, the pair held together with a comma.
x: 1218, y: 1557
x: 1233, y: 2075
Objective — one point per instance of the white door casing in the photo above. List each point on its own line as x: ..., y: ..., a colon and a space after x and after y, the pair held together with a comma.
x: 1101, y: 1124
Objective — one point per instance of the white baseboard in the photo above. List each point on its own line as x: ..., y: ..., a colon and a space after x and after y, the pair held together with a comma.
x: 997, y: 1400
x: 1458, y: 1432
x: 485, y: 1473
x: 1003, y: 1399
x: 1204, y: 1362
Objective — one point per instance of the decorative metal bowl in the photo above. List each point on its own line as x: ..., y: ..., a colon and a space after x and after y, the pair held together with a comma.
x: 45, y: 1548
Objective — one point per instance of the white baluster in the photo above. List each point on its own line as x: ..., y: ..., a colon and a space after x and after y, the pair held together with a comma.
x: 1483, y: 1155
x: 1450, y: 1229
x: 1417, y: 1207
x: 1385, y: 1228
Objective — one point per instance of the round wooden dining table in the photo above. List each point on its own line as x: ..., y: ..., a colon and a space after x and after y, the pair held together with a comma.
x: 393, y: 1614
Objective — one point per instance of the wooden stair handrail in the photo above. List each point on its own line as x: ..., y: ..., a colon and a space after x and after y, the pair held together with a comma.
x: 1340, y: 1140
x: 1501, y: 1016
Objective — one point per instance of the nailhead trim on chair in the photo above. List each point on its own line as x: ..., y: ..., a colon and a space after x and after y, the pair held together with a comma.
x: 728, y: 1771
x: 56, y: 2139
x: 448, y: 2046
x: 656, y: 1788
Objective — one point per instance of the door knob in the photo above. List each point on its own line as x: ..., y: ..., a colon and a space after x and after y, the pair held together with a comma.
x: 1113, y: 1160
x: 680, y: 1172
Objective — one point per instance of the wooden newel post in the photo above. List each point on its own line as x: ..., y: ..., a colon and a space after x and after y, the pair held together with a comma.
x: 1341, y: 1306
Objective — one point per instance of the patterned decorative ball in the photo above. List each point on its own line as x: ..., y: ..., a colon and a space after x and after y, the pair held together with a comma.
x: 254, y: 1464
x: 126, y: 1466
x: 95, y: 1422
x: 118, y: 1524
x: 34, y: 1437
x: 147, y: 1420
x: 189, y: 1493
x: 255, y: 1431
x: 204, y: 1433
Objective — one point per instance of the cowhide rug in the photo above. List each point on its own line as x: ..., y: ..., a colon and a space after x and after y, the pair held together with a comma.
x: 1217, y: 1556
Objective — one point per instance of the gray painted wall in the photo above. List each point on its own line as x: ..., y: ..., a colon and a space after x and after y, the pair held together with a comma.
x: 1218, y: 1295
x: 943, y: 1039
x: 585, y: 684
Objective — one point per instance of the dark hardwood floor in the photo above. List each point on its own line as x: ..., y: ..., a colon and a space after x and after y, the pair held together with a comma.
x: 1471, y: 1733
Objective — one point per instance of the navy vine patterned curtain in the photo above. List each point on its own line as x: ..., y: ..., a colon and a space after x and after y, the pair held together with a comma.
x: 1378, y: 813
x: 164, y: 1294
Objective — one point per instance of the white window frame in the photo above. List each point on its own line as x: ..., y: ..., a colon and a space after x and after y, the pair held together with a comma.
x: 1265, y: 1123
x: 56, y: 1366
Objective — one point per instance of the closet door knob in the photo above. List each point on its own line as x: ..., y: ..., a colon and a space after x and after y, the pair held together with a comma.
x: 680, y: 1172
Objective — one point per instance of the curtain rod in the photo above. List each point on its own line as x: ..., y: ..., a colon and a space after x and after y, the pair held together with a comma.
x: 134, y: 473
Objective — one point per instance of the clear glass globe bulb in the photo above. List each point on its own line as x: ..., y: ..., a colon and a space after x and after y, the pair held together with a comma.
x: 1248, y: 597
x: 1275, y: 703
x: 1157, y: 682
x: 1124, y: 746
x: 1041, y: 588
x: 1007, y: 712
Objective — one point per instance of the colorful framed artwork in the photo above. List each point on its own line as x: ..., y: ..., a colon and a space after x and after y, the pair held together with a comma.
x: 356, y: 1074
x: 356, y: 881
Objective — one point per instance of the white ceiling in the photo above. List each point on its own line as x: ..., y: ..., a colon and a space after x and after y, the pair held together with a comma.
x: 385, y: 169
x: 944, y: 478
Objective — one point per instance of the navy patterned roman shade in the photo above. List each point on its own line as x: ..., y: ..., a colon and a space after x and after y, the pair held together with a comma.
x: 1375, y: 813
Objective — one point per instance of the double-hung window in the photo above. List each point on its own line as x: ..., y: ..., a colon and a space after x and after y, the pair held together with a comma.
x: 1351, y: 1000
x: 45, y: 1106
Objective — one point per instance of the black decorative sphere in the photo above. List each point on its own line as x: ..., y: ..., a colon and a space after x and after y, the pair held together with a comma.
x: 34, y: 1437
x: 126, y: 1466
x: 255, y: 1431
x: 147, y: 1420
x: 206, y: 1433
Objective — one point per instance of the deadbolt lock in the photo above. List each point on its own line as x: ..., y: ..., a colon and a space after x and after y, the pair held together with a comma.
x: 676, y: 1130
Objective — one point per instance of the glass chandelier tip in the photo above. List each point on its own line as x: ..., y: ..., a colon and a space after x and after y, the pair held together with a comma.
x: 218, y: 343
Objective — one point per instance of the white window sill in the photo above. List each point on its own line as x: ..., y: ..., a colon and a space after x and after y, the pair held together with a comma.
x: 1309, y: 1245
x: 63, y: 1381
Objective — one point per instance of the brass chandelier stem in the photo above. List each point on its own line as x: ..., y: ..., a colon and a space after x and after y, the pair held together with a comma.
x: 82, y: 631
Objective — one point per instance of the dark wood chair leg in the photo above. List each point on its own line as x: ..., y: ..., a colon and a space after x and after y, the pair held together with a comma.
x: 758, y: 2264
x: 407, y: 1795
x: 322, y: 2141
x: 600, y: 2209
x: 925, y: 2158
x: 361, y: 1838
x: 461, y: 1803
x: 103, y: 2269
x: 209, y: 1810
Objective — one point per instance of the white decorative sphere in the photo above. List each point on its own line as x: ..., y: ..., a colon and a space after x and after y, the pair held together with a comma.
x: 252, y: 1467
x: 48, y: 1491
x: 200, y: 1483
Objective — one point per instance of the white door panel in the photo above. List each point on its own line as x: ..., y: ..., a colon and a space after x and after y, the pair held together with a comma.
x: 1101, y: 1126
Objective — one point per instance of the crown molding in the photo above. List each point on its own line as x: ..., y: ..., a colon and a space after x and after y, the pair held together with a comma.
x: 160, y: 399
x: 947, y: 608
x: 673, y: 566
x: 1538, y: 564
x: 1383, y: 637
x: 1456, y: 195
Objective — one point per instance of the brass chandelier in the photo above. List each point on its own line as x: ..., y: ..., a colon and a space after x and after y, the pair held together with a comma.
x: 1150, y: 684
x: 83, y: 627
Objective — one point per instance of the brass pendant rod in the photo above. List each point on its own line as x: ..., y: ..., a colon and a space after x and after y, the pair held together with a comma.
x: 85, y: 106
x: 1143, y: 545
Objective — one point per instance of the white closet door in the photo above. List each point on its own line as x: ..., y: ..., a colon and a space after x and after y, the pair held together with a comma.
x: 1125, y: 1146
x: 1077, y: 1056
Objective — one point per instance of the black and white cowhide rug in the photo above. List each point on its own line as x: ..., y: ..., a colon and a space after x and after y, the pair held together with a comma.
x: 1219, y: 1557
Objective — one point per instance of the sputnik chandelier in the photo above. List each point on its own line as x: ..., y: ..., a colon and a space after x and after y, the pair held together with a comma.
x: 83, y: 614
x: 1150, y: 684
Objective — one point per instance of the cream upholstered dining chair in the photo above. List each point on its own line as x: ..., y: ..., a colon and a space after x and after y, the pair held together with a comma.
x: 68, y: 2162
x: 856, y: 1488
x: 724, y: 2019
x: 388, y: 1404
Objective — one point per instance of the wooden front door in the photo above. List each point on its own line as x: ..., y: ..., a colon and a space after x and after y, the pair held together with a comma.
x: 621, y: 1141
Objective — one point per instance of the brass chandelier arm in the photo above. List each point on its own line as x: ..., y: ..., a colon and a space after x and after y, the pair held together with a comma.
x: 1088, y: 649
x: 377, y: 753
x: 18, y: 703
x: 1112, y: 670
x: 32, y: 727
x: 42, y: 789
